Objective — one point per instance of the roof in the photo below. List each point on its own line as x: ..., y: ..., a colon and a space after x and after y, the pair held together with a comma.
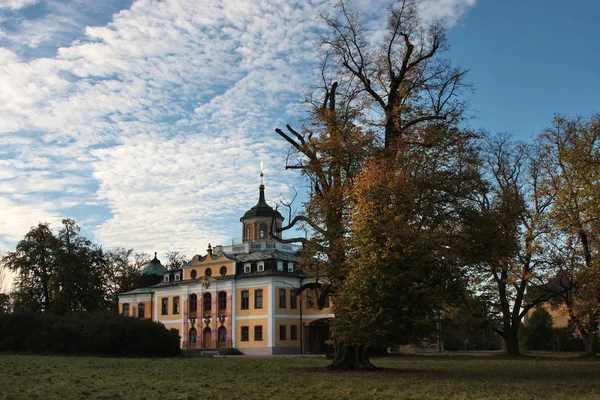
x: 138, y: 291
x: 261, y: 209
x: 265, y: 255
x: 154, y: 267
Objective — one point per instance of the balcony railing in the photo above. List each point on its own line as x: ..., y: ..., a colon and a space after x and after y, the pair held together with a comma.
x: 247, y: 247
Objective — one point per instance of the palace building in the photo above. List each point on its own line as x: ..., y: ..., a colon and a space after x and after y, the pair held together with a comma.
x: 243, y: 296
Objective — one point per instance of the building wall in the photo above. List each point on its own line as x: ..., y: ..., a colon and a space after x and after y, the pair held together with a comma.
x: 214, y: 265
x: 251, y: 311
x: 287, y: 323
x: 252, y: 343
x: 169, y: 317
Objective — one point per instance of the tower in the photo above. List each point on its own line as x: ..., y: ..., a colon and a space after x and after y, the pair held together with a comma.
x: 262, y: 219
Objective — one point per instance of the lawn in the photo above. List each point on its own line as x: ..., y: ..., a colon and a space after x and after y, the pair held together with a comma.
x: 405, y: 377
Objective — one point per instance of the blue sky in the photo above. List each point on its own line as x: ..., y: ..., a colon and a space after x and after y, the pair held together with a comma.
x: 146, y: 121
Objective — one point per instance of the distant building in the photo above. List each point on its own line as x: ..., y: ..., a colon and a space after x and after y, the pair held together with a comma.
x: 241, y: 296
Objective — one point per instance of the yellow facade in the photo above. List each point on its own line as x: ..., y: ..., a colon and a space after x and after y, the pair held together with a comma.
x: 251, y: 324
x: 252, y: 310
x: 287, y: 323
x: 170, y: 314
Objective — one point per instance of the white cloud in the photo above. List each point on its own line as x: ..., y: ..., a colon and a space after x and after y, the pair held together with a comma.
x: 7, y: 56
x: 449, y: 11
x: 16, y: 4
x: 159, y: 118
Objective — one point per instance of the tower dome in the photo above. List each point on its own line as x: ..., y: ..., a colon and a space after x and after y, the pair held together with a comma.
x: 153, y: 273
x: 257, y: 221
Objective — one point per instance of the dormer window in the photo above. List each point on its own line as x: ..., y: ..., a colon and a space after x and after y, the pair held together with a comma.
x: 260, y: 266
x: 290, y: 267
x: 166, y: 278
x: 177, y: 277
x: 247, y: 268
x: 280, y: 266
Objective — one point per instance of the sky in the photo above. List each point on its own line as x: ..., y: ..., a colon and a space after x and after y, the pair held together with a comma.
x: 146, y: 121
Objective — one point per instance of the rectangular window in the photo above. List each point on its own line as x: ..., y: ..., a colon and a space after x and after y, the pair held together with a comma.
x: 310, y: 300
x: 164, y: 309
x: 176, y: 277
x: 293, y: 299
x: 176, y: 305
x: 245, y: 299
x: 282, y: 332
x: 141, y: 310
x: 166, y: 278
x: 245, y: 333
x: 258, y: 333
x: 290, y: 267
x: 126, y: 310
x: 326, y: 302
x: 279, y: 265
x: 258, y: 298
x: 294, y: 332
x: 246, y: 268
x: 282, y: 299
x: 261, y: 266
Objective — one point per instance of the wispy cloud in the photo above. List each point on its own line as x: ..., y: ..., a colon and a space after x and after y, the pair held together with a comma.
x: 151, y: 126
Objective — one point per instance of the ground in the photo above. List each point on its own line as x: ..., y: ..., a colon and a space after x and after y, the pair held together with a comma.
x: 405, y: 377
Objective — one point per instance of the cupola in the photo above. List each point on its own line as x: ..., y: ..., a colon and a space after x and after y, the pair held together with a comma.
x: 152, y: 274
x: 256, y: 222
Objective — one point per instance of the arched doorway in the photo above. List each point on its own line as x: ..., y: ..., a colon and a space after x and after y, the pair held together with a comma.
x: 222, y: 336
x: 206, y: 338
x: 193, y: 338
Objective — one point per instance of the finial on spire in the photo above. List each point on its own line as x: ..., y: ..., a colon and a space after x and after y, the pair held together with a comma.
x: 155, y: 254
x: 261, y: 173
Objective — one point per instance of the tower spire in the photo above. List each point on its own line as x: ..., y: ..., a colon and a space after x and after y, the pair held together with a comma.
x: 261, y: 188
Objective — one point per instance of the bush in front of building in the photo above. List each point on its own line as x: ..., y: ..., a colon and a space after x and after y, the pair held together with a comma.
x: 79, y: 333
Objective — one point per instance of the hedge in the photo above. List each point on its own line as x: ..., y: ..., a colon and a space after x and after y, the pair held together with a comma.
x: 99, y: 333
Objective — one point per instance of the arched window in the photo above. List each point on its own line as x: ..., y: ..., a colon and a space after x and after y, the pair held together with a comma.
x: 248, y: 232
x: 208, y: 272
x: 223, y: 270
x: 222, y: 301
x: 194, y: 274
x: 207, y: 302
x: 193, y: 301
x: 262, y: 231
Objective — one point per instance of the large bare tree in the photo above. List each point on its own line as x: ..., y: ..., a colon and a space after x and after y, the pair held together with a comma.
x: 380, y: 99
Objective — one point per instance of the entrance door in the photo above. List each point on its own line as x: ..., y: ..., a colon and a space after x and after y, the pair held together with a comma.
x: 193, y: 338
x: 206, y: 338
x: 222, y: 332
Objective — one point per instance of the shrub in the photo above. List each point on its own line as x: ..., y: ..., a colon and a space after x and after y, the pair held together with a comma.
x: 99, y: 333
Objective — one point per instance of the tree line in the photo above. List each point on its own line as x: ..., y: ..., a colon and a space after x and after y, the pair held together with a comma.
x: 67, y: 272
x: 412, y: 215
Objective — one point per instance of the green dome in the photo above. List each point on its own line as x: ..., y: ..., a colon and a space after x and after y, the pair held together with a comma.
x: 154, y: 267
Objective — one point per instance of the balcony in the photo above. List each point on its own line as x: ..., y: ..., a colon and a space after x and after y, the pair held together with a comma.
x: 239, y: 247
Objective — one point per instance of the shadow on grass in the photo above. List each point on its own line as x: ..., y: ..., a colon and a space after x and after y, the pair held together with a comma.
x: 498, y: 368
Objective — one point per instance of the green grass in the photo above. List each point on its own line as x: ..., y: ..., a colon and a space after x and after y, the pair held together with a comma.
x: 405, y: 377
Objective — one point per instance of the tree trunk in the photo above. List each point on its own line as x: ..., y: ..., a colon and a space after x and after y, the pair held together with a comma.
x: 351, y: 358
x: 511, y: 341
x: 590, y: 340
